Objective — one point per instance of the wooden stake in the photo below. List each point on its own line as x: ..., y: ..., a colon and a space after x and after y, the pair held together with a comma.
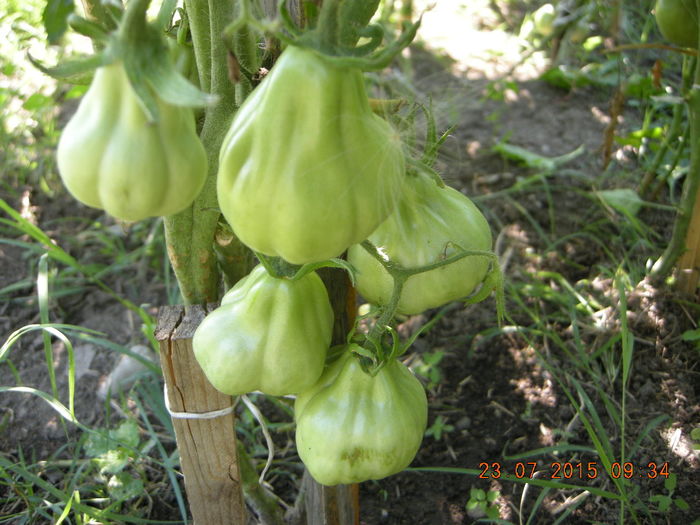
x: 208, y: 454
x: 339, y: 505
x: 689, y: 263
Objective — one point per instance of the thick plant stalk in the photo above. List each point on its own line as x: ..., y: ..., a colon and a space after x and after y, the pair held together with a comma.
x: 190, y: 234
x: 684, y: 247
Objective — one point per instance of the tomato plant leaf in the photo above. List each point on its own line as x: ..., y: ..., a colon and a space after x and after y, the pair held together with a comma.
x: 55, y: 18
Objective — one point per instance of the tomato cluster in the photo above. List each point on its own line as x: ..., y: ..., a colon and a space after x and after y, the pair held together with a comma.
x: 306, y: 172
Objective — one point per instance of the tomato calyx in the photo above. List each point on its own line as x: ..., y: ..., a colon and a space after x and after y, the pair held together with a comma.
x: 278, y: 267
x: 333, y: 32
x: 131, y: 39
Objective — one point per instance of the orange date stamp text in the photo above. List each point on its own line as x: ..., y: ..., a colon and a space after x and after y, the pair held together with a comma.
x: 580, y: 470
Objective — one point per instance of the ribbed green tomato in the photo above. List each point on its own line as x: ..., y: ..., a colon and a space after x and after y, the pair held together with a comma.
x: 678, y: 21
x: 111, y: 157
x: 418, y: 233
x: 269, y: 334
x: 352, y: 427
x: 306, y: 168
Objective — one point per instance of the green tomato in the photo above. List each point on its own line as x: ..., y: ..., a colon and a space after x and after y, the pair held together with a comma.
x: 543, y: 20
x: 111, y: 157
x: 422, y: 231
x: 352, y: 427
x: 306, y: 168
x: 269, y: 334
x: 678, y: 21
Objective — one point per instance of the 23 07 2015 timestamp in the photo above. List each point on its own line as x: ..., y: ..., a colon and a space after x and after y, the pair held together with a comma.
x: 573, y: 470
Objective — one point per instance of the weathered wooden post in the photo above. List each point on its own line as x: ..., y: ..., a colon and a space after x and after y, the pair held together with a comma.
x: 204, y: 423
x: 688, y: 267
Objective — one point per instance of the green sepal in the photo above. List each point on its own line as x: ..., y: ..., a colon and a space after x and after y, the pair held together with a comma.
x: 367, y: 358
x: 353, y: 17
x: 165, y: 14
x: 334, y: 353
x: 376, y: 34
x: 279, y: 268
x: 88, y: 28
x: 396, y: 347
x: 432, y: 141
x: 148, y: 65
x: 493, y: 281
x: 418, y: 167
x: 330, y: 263
x: 77, y: 70
x: 336, y: 40
x: 55, y: 17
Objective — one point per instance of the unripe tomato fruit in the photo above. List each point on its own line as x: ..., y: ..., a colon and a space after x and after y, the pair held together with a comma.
x: 543, y: 20
x: 420, y: 232
x: 269, y: 334
x: 678, y: 21
x: 306, y: 168
x: 352, y: 427
x: 111, y: 157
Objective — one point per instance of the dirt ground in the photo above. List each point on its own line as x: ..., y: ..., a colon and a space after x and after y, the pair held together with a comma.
x: 497, y: 396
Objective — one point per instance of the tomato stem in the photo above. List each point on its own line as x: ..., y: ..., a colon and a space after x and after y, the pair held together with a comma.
x: 190, y: 234
x: 400, y: 275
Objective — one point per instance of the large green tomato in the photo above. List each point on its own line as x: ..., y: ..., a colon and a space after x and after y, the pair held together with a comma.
x: 421, y: 231
x: 306, y: 168
x: 111, y: 157
x: 352, y: 427
x: 269, y: 334
x: 678, y: 21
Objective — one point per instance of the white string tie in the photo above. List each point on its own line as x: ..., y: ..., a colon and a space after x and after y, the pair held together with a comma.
x: 194, y: 415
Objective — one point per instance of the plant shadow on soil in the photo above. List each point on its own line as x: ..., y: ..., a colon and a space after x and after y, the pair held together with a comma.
x: 499, y: 398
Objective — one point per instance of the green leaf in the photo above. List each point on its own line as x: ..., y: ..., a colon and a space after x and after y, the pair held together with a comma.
x: 37, y: 101
x: 624, y: 200
x: 55, y: 18
x: 533, y: 160
x: 565, y: 78
x: 478, y: 494
x: 127, y: 434
x: 97, y: 444
x: 472, y: 504
x: 664, y: 502
x: 681, y: 504
x: 691, y: 335
x: 123, y: 486
x: 670, y: 482
x: 113, y: 461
